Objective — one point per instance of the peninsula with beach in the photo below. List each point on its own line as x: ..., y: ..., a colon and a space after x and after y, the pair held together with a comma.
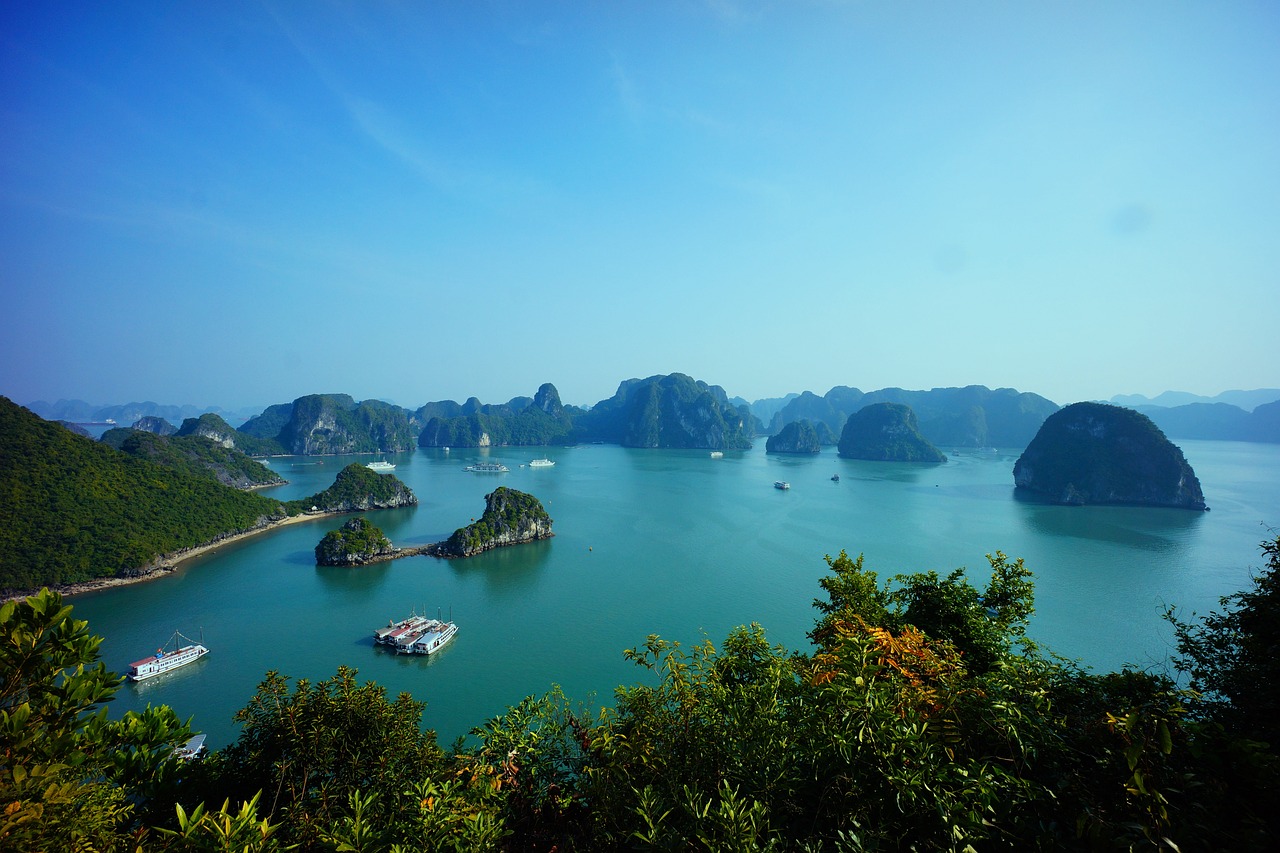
x: 84, y: 515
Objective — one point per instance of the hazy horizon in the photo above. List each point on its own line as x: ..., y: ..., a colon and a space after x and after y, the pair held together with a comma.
x: 260, y: 406
x: 240, y: 203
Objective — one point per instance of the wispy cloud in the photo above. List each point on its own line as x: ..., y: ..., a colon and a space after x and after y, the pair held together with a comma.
x: 625, y: 88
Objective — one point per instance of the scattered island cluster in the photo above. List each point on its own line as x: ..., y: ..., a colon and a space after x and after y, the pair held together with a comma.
x: 140, y: 499
x: 510, y: 518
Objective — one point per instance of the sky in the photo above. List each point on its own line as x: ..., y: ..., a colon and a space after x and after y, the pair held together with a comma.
x: 239, y: 203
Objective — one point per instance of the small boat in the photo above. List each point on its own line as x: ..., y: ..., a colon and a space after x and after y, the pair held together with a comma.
x: 717, y: 454
x: 781, y: 484
x: 162, y: 661
x: 192, y: 749
x: 544, y: 462
x: 380, y: 466
x: 488, y: 468
x: 835, y: 478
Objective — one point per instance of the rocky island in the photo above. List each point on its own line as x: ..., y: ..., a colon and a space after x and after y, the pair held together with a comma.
x: 510, y: 518
x: 354, y: 544
x: 1094, y: 453
x: 357, y: 489
x: 886, y: 432
x: 796, y: 437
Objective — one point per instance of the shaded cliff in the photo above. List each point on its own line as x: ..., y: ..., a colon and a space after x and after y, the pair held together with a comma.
x: 972, y: 416
x: 886, y: 432
x: 795, y: 437
x: 668, y: 411
x: 510, y: 518
x: 522, y: 421
x: 196, y: 454
x: 1095, y: 453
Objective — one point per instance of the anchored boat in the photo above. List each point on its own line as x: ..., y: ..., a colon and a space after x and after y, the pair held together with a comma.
x: 488, y: 468
x: 380, y: 466
x: 162, y: 661
x: 416, y: 635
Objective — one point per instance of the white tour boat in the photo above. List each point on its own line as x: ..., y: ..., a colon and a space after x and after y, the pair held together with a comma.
x: 380, y: 466
x: 544, y: 462
x: 488, y: 468
x: 416, y: 635
x: 162, y: 661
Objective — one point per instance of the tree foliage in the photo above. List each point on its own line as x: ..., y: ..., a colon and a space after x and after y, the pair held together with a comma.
x: 70, y: 779
x: 78, y: 510
x: 920, y: 719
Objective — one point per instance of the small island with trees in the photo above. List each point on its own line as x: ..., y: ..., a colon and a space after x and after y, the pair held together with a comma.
x: 510, y: 518
x: 886, y: 432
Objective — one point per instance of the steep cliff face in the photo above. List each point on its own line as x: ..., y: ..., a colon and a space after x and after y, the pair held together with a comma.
x: 795, y: 437
x: 972, y: 416
x: 521, y: 421
x: 209, y: 426
x: 356, y: 488
x: 1094, y: 453
x: 886, y: 432
x: 156, y: 425
x: 668, y: 411
x: 325, y: 424
x: 197, y: 454
x: 354, y: 544
x: 510, y: 518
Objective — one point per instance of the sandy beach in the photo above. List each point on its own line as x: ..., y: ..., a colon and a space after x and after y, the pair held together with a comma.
x: 166, y: 564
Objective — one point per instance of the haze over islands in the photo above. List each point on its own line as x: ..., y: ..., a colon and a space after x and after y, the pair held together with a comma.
x: 240, y: 203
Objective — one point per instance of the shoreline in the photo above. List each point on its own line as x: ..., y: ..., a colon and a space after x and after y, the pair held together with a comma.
x: 167, y: 564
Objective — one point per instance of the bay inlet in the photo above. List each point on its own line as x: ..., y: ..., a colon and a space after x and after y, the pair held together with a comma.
x: 665, y: 542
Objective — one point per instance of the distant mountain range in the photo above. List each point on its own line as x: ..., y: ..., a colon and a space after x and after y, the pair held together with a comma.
x: 675, y: 411
x: 1246, y: 400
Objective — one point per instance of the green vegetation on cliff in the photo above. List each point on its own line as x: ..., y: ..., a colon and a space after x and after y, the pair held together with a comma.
x: 795, y: 437
x: 920, y: 718
x: 886, y: 432
x: 668, y: 411
x: 357, y: 488
x: 78, y: 510
x: 357, y: 541
x: 323, y: 424
x: 1095, y: 453
x: 196, y: 454
x: 520, y: 422
x: 509, y: 517
x: 213, y: 427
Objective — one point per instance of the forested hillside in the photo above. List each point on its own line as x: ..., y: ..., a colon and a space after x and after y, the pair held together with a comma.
x: 76, y: 509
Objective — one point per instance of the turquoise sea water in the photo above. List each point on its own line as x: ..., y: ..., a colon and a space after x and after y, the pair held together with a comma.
x: 668, y: 542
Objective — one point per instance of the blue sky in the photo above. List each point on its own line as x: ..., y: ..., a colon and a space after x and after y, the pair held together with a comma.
x: 240, y: 203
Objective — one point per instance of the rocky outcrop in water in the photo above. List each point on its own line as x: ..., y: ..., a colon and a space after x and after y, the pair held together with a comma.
x: 1094, y: 453
x: 796, y: 437
x: 357, y: 489
x: 510, y: 518
x: 356, y: 543
x: 972, y: 416
x: 327, y: 424
x: 886, y: 432
x: 668, y: 411
x: 522, y: 421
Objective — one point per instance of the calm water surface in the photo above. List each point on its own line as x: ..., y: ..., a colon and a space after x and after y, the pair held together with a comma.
x: 673, y: 543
